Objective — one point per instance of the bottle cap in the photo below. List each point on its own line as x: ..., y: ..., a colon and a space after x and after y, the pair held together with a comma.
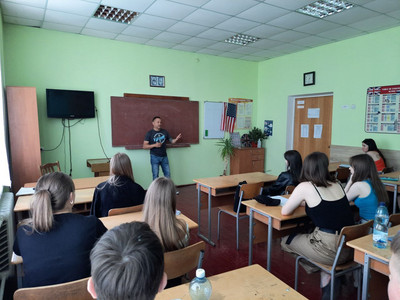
x: 200, y: 273
x: 382, y: 204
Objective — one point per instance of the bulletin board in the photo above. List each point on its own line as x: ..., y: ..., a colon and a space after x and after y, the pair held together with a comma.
x: 244, y: 112
x: 383, y: 109
x: 212, y: 120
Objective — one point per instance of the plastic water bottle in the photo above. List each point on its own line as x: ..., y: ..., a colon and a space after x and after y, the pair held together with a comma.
x: 380, y: 234
x: 200, y: 287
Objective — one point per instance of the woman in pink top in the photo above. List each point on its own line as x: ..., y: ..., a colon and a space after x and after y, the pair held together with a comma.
x: 370, y: 148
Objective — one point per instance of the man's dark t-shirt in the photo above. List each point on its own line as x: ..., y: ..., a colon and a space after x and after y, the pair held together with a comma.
x: 161, y: 136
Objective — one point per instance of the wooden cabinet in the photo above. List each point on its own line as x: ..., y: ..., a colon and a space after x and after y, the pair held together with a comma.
x: 23, y: 127
x: 247, y: 160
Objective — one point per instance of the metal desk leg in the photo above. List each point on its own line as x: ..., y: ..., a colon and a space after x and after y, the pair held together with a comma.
x: 364, y: 295
x: 251, y: 233
x: 395, y: 199
x: 207, y: 239
x: 269, y: 243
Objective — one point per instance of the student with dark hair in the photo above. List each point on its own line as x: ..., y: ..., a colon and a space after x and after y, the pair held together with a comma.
x: 54, y: 243
x: 120, y: 190
x: 127, y: 263
x: 369, y: 147
x: 394, y: 268
x: 327, y: 206
x: 365, y: 187
x: 291, y: 176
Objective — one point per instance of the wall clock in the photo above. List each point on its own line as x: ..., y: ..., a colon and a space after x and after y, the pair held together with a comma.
x: 309, y: 78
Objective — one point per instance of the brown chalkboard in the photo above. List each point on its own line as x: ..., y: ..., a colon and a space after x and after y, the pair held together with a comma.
x: 131, y: 119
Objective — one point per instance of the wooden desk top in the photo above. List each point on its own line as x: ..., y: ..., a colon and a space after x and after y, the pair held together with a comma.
x: 334, y: 165
x: 113, y: 221
x: 80, y: 183
x: 392, y: 175
x: 275, y: 211
x: 81, y: 196
x: 220, y: 182
x: 252, y: 282
x: 365, y: 245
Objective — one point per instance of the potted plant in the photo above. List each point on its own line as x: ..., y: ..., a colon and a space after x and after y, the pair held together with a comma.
x: 226, y: 150
x: 255, y: 135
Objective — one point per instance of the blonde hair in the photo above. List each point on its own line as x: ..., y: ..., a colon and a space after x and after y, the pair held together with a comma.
x: 160, y: 213
x: 52, y: 192
x: 120, y: 165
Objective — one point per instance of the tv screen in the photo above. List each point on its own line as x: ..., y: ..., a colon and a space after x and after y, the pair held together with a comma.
x: 67, y: 104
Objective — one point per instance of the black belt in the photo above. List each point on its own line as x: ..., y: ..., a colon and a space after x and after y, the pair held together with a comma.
x: 328, y: 230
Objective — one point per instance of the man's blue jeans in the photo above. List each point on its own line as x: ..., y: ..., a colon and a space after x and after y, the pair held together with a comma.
x: 156, y: 161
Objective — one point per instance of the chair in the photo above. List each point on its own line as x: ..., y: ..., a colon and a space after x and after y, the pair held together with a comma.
x: 394, y: 220
x: 289, y: 189
x: 74, y: 290
x: 342, y: 174
x: 50, y: 168
x: 182, y: 261
x: 347, y: 234
x: 247, y: 191
x: 125, y: 210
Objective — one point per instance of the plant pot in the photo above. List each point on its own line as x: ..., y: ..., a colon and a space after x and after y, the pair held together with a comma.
x: 253, y: 144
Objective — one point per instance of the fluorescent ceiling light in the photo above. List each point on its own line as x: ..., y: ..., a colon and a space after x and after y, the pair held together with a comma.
x: 241, y: 39
x: 323, y: 8
x: 115, y: 14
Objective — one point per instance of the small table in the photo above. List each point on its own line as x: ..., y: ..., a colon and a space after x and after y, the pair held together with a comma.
x: 224, y: 185
x: 113, y: 221
x: 80, y: 183
x: 270, y: 215
x: 371, y: 257
x: 99, y: 166
x: 252, y: 282
x: 392, y: 186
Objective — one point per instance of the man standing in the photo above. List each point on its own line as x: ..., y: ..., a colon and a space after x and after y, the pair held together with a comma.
x: 156, y: 140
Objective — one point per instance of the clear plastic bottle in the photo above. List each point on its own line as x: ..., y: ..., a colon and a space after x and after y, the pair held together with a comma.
x: 200, y: 287
x: 380, y: 234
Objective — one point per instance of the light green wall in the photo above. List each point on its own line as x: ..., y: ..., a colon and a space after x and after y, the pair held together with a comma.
x: 50, y: 59
x: 347, y: 69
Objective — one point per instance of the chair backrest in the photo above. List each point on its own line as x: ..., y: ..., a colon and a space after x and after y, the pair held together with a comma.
x: 387, y: 170
x: 74, y: 290
x: 342, y: 174
x: 289, y: 189
x: 182, y: 261
x: 125, y: 210
x: 249, y: 191
x: 355, y: 231
x: 50, y: 168
x: 394, y: 219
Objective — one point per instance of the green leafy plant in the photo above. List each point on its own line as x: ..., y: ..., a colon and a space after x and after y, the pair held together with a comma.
x: 226, y: 150
x: 256, y: 134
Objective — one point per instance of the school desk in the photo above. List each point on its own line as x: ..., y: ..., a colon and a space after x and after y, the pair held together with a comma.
x: 224, y: 185
x: 99, y: 166
x: 270, y: 215
x: 371, y: 257
x: 251, y: 282
x: 80, y: 183
x: 113, y: 221
x: 392, y: 186
x: 333, y: 166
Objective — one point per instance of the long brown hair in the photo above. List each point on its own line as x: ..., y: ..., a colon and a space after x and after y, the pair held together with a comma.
x: 315, y: 169
x: 159, y: 212
x: 365, y: 168
x: 120, y: 165
x: 52, y: 192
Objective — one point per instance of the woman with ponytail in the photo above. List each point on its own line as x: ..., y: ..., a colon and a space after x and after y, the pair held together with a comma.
x: 54, y: 243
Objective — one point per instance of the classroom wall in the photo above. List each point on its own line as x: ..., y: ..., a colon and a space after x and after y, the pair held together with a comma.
x: 347, y: 69
x: 50, y: 59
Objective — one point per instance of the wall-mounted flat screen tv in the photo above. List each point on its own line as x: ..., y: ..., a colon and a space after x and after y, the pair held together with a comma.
x: 67, y: 104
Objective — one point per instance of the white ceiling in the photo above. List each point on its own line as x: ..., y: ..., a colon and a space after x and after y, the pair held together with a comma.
x: 201, y: 26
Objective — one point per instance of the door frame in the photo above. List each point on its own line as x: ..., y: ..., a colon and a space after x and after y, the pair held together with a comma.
x: 290, y: 115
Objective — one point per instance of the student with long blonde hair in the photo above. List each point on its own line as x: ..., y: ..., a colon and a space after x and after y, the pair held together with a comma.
x: 160, y: 213
x: 120, y: 190
x: 54, y: 243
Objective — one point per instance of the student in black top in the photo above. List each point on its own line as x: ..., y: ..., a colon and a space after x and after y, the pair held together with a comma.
x: 120, y: 190
x: 291, y: 176
x: 54, y: 243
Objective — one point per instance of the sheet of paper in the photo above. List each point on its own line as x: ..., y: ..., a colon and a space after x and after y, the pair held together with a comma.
x: 304, y: 131
x: 300, y: 101
x: 283, y: 199
x: 249, y: 108
x: 313, y: 113
x: 317, y: 131
x: 25, y: 191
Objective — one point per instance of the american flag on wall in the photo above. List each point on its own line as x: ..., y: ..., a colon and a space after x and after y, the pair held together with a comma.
x: 228, y: 117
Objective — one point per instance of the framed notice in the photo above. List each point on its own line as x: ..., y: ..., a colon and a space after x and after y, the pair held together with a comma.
x: 382, y: 111
x: 244, y: 112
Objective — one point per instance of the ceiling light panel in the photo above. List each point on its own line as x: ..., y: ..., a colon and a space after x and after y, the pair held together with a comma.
x: 323, y: 8
x: 115, y: 14
x: 241, y: 39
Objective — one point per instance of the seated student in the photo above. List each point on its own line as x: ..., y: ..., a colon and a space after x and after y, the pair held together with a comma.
x: 370, y: 148
x: 54, y: 243
x: 127, y: 263
x: 327, y: 206
x: 159, y: 212
x: 364, y: 186
x: 289, y: 177
x: 120, y: 190
x: 394, y: 268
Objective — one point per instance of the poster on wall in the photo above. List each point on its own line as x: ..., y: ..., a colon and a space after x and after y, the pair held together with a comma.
x: 244, y: 112
x: 383, y: 109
